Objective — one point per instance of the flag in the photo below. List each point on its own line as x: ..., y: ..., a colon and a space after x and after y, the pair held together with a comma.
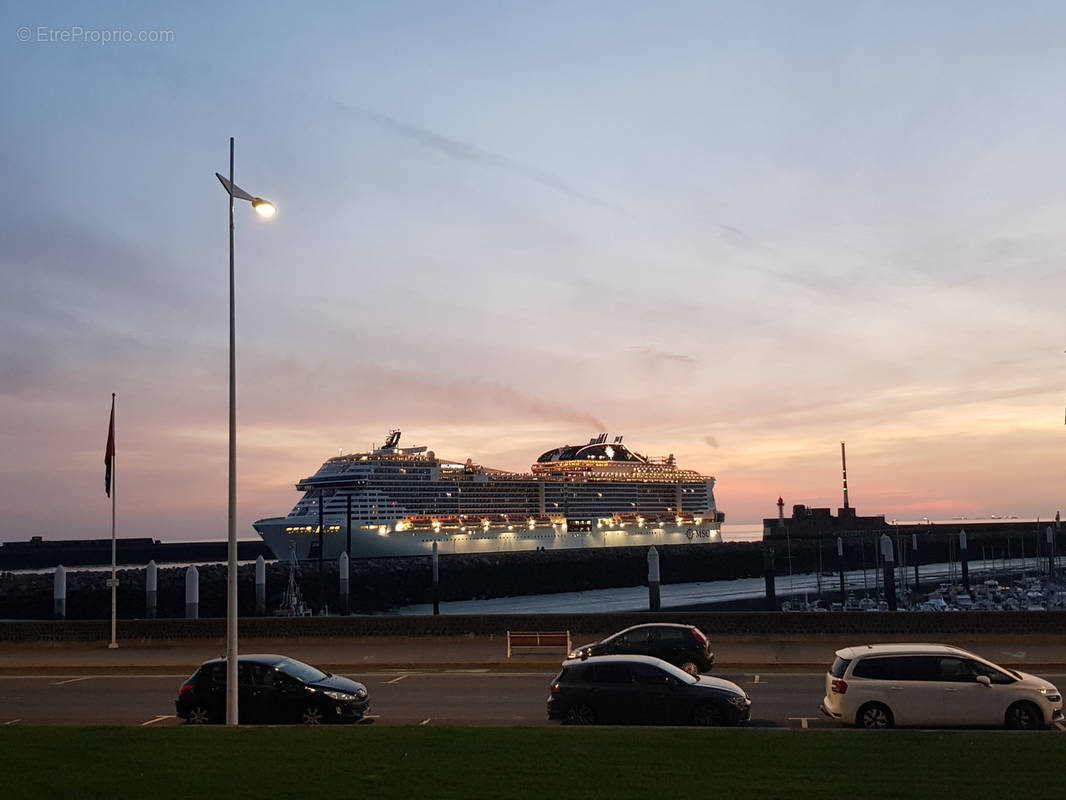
x: 109, y: 454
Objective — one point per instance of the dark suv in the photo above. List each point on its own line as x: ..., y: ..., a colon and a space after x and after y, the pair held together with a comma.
x: 641, y: 689
x: 271, y: 689
x: 684, y: 646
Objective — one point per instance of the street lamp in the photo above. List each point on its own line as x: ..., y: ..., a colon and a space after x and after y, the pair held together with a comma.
x: 266, y: 210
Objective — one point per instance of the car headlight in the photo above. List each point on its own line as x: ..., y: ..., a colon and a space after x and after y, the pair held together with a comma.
x: 342, y: 697
x: 360, y: 693
x: 739, y: 700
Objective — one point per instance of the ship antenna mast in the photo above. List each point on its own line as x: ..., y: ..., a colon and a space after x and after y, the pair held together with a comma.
x: 844, y: 469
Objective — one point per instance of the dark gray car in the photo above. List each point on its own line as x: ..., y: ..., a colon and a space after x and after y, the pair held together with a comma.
x: 271, y: 689
x: 684, y: 646
x: 641, y: 689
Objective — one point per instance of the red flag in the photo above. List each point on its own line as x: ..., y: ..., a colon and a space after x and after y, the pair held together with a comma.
x: 109, y: 454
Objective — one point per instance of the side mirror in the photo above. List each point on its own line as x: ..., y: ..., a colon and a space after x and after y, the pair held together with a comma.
x: 984, y: 680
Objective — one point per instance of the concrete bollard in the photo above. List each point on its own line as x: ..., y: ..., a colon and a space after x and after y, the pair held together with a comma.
x: 964, y: 559
x: 914, y: 547
x: 260, y: 587
x: 768, y: 578
x: 436, y: 581
x: 151, y: 586
x: 59, y: 592
x: 342, y: 570
x: 653, y: 579
x: 843, y: 569
x: 889, y: 558
x: 192, y: 593
x: 1051, y: 551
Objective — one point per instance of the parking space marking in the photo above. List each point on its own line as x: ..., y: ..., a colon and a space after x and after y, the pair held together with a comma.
x: 12, y: 721
x: 159, y: 718
x: 802, y: 721
x: 397, y: 679
x: 425, y: 721
x: 72, y: 680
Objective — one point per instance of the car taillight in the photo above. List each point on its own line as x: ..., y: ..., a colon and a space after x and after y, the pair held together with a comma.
x: 184, y: 690
x: 697, y: 634
x: 839, y: 686
x: 555, y: 688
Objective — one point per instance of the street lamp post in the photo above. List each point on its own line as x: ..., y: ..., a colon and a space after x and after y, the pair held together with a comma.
x: 265, y: 209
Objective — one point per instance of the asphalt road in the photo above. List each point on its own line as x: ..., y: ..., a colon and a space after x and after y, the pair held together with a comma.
x: 476, y: 697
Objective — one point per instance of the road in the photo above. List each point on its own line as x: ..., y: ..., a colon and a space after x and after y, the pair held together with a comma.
x: 476, y: 697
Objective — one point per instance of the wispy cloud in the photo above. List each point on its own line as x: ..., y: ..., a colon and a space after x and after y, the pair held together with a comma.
x: 471, y: 154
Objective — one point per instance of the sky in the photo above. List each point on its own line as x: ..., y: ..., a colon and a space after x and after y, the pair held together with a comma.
x: 737, y: 232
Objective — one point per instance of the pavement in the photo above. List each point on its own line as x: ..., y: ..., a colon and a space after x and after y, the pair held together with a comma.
x: 1031, y: 653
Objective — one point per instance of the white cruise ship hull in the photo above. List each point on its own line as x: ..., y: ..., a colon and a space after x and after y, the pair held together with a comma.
x: 286, y: 544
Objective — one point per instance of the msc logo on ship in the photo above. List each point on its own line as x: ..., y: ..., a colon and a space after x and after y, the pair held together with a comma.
x: 698, y: 533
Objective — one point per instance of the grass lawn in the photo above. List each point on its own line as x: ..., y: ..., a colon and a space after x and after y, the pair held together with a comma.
x: 415, y: 763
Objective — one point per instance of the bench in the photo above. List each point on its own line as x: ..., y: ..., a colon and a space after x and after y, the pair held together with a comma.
x: 537, y: 639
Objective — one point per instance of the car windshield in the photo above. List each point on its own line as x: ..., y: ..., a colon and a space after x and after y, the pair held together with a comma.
x: 677, y: 672
x: 301, y: 671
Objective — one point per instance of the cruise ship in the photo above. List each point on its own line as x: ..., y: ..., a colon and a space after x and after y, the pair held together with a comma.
x: 400, y: 501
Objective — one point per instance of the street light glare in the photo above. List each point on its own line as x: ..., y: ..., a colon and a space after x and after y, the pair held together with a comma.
x: 264, y: 208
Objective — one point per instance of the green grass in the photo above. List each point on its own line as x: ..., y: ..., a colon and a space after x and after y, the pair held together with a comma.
x: 411, y: 762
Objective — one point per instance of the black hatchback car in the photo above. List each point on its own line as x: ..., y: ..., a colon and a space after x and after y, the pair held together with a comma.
x: 640, y: 689
x: 271, y: 689
x: 684, y: 646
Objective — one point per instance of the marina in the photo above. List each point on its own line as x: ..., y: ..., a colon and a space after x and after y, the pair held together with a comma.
x: 804, y: 592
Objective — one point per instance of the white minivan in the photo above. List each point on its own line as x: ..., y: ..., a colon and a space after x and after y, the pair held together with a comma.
x: 934, y: 685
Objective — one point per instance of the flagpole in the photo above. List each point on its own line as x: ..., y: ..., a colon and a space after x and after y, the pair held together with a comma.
x: 113, y: 581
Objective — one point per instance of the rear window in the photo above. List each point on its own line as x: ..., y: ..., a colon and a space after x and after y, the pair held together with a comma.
x: 898, y: 668
x: 839, y: 667
x: 211, y: 673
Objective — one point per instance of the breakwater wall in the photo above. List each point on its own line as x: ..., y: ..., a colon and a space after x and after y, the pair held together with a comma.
x: 784, y: 627
x: 40, y: 553
x: 378, y: 585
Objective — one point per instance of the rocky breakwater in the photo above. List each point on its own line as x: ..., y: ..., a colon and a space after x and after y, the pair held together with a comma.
x: 378, y: 585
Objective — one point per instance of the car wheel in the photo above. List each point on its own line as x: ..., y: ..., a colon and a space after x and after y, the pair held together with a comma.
x: 1024, y: 717
x: 874, y: 715
x: 199, y: 715
x: 691, y: 667
x: 708, y: 714
x: 580, y: 714
x: 312, y: 715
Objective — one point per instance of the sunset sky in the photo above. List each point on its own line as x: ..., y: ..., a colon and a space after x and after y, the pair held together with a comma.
x: 737, y: 232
